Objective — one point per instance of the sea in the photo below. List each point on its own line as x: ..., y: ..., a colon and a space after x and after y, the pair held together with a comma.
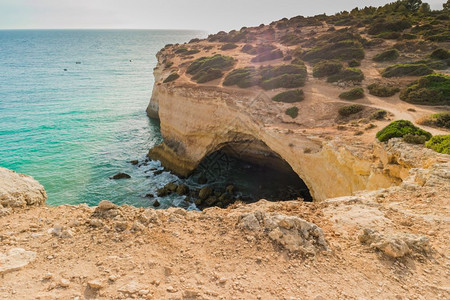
x: 72, y: 112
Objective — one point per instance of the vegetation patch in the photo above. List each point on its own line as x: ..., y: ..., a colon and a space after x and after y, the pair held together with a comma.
x: 347, y: 74
x: 292, y: 112
x: 343, y: 50
x: 268, y: 77
x: 440, y: 54
x: 381, y: 90
x: 354, y: 63
x: 171, y: 77
x: 429, y: 90
x: 283, y: 76
x: 399, y: 70
x: 290, y: 96
x: 379, y: 114
x: 271, y: 55
x: 348, y: 110
x: 205, y: 69
x: 415, y: 139
x: 387, y: 55
x: 439, y: 143
x: 326, y: 68
x: 437, y: 120
x: 259, y: 49
x: 228, y: 46
x: 399, y: 129
x: 353, y: 94
x: 388, y: 26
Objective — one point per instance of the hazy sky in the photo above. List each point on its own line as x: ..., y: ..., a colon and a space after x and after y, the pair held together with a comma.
x: 210, y: 15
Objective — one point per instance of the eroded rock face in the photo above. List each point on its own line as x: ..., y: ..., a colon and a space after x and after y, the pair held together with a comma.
x: 19, y: 190
x: 15, y: 259
x: 290, y: 232
x: 395, y: 245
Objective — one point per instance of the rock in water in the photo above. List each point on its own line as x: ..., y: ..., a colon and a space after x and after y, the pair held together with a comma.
x: 134, y: 162
x: 15, y: 259
x: 205, y: 192
x: 19, y: 190
x: 121, y: 176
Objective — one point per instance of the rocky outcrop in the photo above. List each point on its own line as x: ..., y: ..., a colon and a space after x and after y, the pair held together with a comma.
x: 19, y: 190
x: 331, y: 163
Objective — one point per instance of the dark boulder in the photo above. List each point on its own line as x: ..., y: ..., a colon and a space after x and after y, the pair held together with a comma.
x: 121, y: 176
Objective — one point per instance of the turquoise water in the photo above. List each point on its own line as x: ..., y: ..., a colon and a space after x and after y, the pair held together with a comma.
x: 73, y: 129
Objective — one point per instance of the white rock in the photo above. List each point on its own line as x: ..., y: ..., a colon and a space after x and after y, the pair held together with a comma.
x: 96, y: 284
x: 15, y: 259
x: 19, y: 190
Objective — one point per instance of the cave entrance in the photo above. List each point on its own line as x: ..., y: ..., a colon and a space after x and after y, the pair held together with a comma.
x: 254, y: 170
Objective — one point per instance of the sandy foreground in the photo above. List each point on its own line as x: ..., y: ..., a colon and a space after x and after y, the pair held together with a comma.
x: 265, y: 250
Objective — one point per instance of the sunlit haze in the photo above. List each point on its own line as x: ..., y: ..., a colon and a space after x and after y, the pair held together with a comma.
x: 210, y: 15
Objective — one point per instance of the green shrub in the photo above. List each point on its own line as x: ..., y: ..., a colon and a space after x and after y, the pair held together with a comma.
x: 269, y: 77
x: 205, y: 69
x: 290, y: 96
x: 437, y: 120
x: 181, y: 50
x: 429, y: 90
x: 440, y: 38
x: 262, y: 48
x: 439, y: 143
x: 387, y: 55
x: 348, y: 110
x: 348, y: 74
x: 389, y: 35
x: 409, y: 36
x: 380, y: 90
x: 353, y: 94
x: 414, y: 139
x: 440, y: 54
x: 399, y: 129
x: 292, y: 112
x: 379, y: 114
x: 243, y: 77
x: 354, y: 63
x: 290, y: 39
x: 283, y: 76
x: 171, y: 77
x: 373, y: 42
x: 388, y: 26
x: 326, y: 68
x: 275, y: 54
x: 228, y: 46
x: 399, y: 70
x: 334, y: 48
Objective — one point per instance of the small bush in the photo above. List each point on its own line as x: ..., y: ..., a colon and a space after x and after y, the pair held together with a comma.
x: 326, y: 68
x: 353, y: 94
x: 399, y: 70
x: 389, y: 26
x: 354, y: 63
x: 389, y: 35
x: 399, y: 129
x: 409, y: 36
x: 275, y: 54
x: 387, y: 55
x: 379, y: 114
x: 243, y: 77
x: 440, y: 54
x: 414, y: 139
x: 380, y: 90
x: 171, y: 77
x: 205, y: 69
x: 348, y: 110
x: 292, y: 112
x: 439, y: 143
x: 259, y: 49
x: 195, y: 40
x: 228, y: 46
x: 437, y: 120
x: 429, y: 90
x: 348, y: 74
x: 290, y: 96
x: 373, y: 42
x: 270, y: 77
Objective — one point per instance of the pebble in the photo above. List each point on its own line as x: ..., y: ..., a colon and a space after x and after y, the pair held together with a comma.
x: 96, y: 284
x: 64, y: 283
